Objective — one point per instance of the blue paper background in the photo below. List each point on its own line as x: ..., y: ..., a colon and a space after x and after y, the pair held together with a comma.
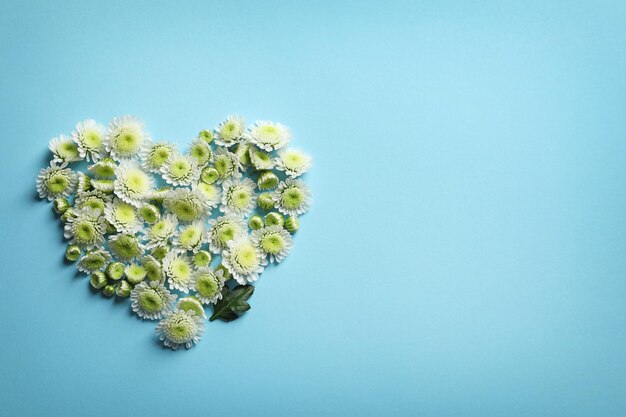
x: 465, y: 252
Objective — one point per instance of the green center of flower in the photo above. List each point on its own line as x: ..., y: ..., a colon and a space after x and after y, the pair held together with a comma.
x: 201, y: 152
x: 84, y: 232
x: 190, y: 236
x: 125, y: 213
x: 185, y: 210
x: 149, y: 213
x: 180, y: 328
x: 94, y: 261
x: 153, y: 270
x: 159, y: 155
x: 262, y: 159
x: 240, y: 198
x: 180, y: 270
x: 126, y: 247
x: 68, y: 150
x: 229, y: 131
x: 150, y: 300
x: 180, y: 168
x: 135, y: 273
x: 137, y: 181
x: 94, y: 203
x: 92, y: 139
x: 272, y: 243
x: 224, y: 165
x: 127, y: 142
x: 226, y: 232
x: 292, y: 198
x: 246, y: 256
x: 58, y: 183
x: 191, y: 304
x: 269, y: 134
x: 161, y: 228
x: 206, y: 285
x: 293, y: 160
x: 208, y: 190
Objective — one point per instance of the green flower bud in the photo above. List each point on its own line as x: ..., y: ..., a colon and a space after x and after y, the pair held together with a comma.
x: 84, y: 182
x: 105, y: 186
x: 160, y: 252
x: 265, y: 201
x: 115, y: 270
x: 292, y: 224
x: 72, y: 253
x: 206, y: 135
x: 209, y: 175
x: 242, y: 150
x: 98, y: 280
x: 267, y: 180
x: 202, y: 258
x: 274, y: 218
x: 68, y: 213
x: 226, y: 273
x: 150, y: 213
x: 191, y: 304
x: 108, y: 291
x: 255, y: 222
x: 153, y: 269
x: 135, y: 274
x: 123, y: 289
x: 60, y: 205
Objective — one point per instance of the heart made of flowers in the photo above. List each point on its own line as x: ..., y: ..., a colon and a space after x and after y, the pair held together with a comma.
x: 147, y: 222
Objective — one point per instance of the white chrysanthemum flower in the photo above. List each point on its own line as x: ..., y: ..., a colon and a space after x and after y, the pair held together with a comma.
x: 154, y: 271
x: 188, y: 205
x: 243, y: 260
x: 89, y: 137
x: 292, y: 197
x: 64, y: 149
x: 104, y: 168
x: 177, y: 269
x: 238, y: 197
x: 180, y: 170
x: 222, y: 230
x: 293, y: 161
x: 227, y: 164
x: 200, y: 151
x: 230, y: 131
x: 125, y: 247
x: 269, y: 136
x: 260, y: 159
x: 180, y: 329
x: 154, y: 155
x: 125, y: 137
x: 211, y: 193
x: 274, y: 241
x: 151, y: 300
x: 160, y: 233
x: 93, y: 261
x: 208, y: 284
x: 94, y: 199
x: 190, y: 237
x: 132, y: 185
x: 55, y: 181
x: 123, y: 216
x: 86, y: 228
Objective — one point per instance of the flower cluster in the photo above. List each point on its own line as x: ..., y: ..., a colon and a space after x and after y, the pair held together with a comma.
x: 146, y: 220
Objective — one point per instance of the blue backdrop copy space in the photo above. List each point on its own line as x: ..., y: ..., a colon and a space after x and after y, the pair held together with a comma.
x: 465, y: 251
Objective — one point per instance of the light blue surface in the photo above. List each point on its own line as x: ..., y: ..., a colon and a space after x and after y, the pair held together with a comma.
x: 465, y: 255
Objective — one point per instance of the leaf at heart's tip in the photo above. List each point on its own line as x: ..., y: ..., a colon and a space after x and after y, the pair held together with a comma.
x: 146, y: 220
x: 233, y: 303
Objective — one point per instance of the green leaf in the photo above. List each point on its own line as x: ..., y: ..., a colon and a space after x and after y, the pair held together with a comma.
x: 233, y: 303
